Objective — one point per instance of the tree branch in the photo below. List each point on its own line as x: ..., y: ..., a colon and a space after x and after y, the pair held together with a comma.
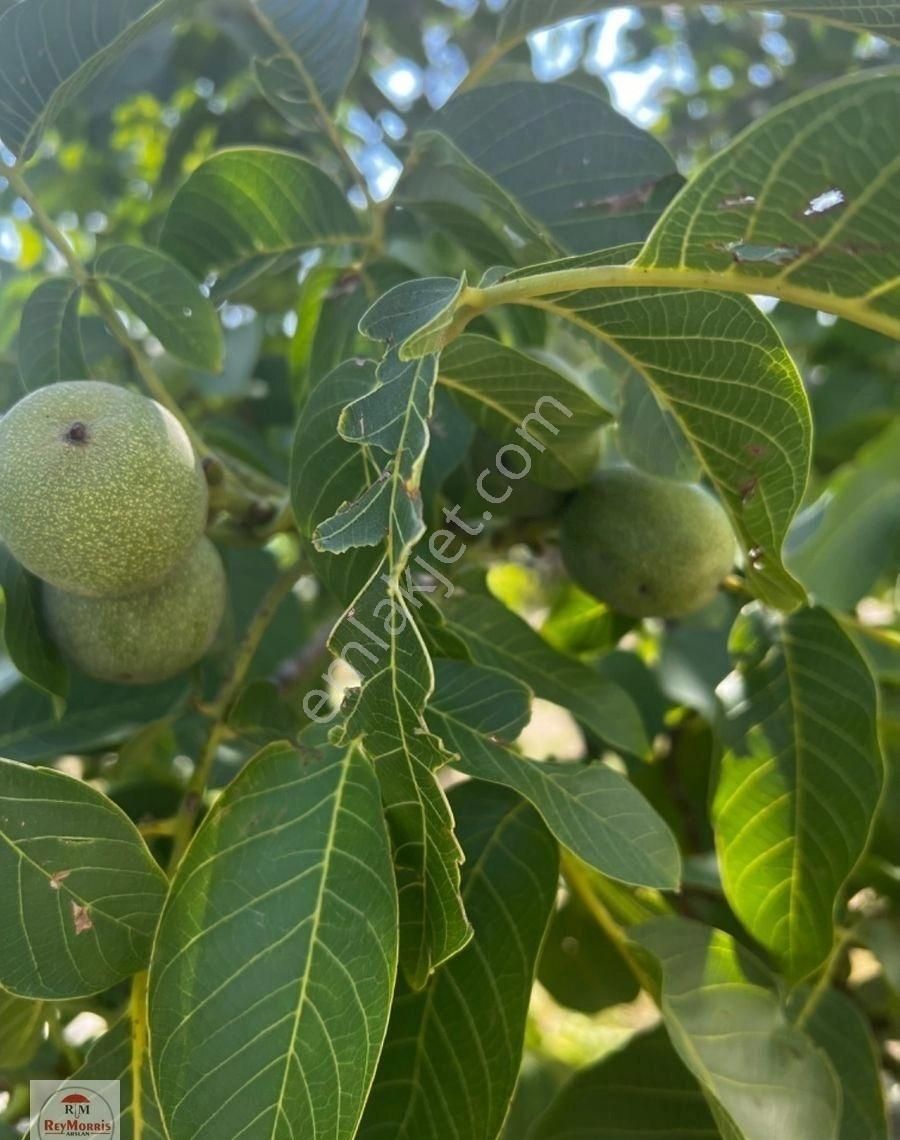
x: 580, y: 885
x: 239, y: 494
x: 183, y: 826
x: 322, y: 113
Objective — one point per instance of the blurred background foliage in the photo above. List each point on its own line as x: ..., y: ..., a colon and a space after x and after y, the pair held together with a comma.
x: 107, y: 171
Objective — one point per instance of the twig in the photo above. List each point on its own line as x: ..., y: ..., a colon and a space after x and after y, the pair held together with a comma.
x: 116, y: 325
x: 483, y: 64
x: 330, y: 126
x: 883, y: 635
x: 155, y: 827
x: 183, y: 826
x: 579, y: 884
x: 734, y: 584
x: 55, y: 1031
x: 823, y: 982
x: 114, y: 322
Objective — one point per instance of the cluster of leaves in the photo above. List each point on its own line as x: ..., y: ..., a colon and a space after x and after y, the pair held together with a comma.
x: 346, y: 948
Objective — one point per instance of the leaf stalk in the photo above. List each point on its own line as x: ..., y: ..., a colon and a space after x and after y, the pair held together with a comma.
x: 525, y: 290
x: 183, y: 827
x: 580, y: 885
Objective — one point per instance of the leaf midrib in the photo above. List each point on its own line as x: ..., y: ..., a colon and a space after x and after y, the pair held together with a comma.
x: 477, y: 870
x: 313, y: 939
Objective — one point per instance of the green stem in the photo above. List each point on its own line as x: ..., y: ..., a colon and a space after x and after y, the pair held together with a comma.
x: 883, y: 635
x: 323, y: 114
x: 55, y: 1032
x: 192, y: 800
x: 826, y: 977
x: 117, y: 327
x: 17, y: 1109
x: 137, y: 1011
x: 114, y: 322
x: 580, y: 886
x: 525, y: 290
x: 734, y: 584
x: 484, y: 63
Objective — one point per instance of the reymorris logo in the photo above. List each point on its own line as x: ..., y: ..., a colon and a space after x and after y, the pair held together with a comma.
x: 88, y: 1109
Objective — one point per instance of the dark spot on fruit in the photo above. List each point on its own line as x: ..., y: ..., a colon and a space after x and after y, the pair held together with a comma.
x: 643, y: 589
x: 77, y: 433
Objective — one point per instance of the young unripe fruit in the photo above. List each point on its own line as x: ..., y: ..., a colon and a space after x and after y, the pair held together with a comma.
x: 146, y: 637
x: 649, y: 547
x: 100, y: 490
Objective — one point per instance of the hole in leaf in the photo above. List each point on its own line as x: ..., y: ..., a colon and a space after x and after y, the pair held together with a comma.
x: 773, y: 254
x: 735, y: 201
x: 612, y: 204
x: 822, y: 203
x: 81, y: 917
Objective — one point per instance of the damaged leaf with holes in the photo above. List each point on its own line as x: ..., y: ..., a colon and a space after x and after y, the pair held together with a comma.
x: 477, y: 715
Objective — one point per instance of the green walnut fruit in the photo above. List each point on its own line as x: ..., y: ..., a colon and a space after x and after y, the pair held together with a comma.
x: 648, y: 547
x: 146, y: 637
x: 100, y: 490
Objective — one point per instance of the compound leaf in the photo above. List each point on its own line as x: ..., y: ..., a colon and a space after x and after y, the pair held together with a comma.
x: 801, y: 205
x: 251, y: 202
x: 452, y: 1052
x: 49, y: 336
x: 51, y: 49
x: 168, y: 300
x: 719, y: 367
x: 316, y: 51
x: 644, y: 1090
x: 764, y: 1078
x: 30, y: 648
x: 590, y: 808
x: 799, y: 782
x: 499, y: 639
x: 83, y: 892
x: 274, y: 962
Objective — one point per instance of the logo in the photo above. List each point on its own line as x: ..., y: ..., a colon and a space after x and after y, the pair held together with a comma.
x: 89, y: 1108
